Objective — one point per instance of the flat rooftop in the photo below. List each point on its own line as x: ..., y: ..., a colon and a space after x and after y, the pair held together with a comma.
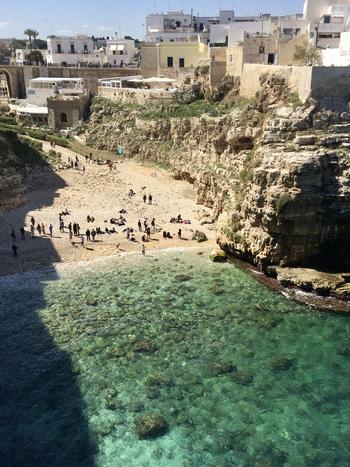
x: 56, y: 80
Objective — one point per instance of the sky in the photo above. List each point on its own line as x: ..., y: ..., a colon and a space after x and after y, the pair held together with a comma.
x: 126, y: 17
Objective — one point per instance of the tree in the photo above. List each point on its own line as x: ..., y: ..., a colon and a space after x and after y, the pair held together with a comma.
x: 35, y: 57
x: 308, y: 54
x: 32, y: 34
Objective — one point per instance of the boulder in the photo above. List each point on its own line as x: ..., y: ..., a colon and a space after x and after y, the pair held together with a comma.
x: 199, y: 237
x: 280, y: 363
x: 218, y: 256
x: 145, y: 346
x: 243, y: 377
x: 150, y: 426
x: 222, y: 368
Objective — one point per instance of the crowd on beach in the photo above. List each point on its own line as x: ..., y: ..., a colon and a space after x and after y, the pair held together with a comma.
x: 77, y: 237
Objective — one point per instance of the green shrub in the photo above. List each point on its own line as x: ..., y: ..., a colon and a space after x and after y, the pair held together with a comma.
x: 282, y: 201
x: 7, y: 120
x: 59, y: 140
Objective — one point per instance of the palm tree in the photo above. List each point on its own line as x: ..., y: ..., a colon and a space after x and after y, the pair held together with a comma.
x: 31, y: 33
x: 35, y: 35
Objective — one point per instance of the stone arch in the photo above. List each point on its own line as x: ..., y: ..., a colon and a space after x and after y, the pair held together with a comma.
x: 5, y: 84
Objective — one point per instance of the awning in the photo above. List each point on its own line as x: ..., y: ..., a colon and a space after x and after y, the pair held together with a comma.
x: 121, y: 47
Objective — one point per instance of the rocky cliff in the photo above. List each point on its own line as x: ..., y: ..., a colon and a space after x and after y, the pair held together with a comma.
x: 277, y: 174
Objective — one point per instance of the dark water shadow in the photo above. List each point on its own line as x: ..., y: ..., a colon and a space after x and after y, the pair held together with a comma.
x: 42, y: 411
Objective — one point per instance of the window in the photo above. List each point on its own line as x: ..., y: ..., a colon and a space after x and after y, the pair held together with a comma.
x: 86, y: 49
x: 63, y: 117
x: 178, y: 24
x: 181, y: 62
x: 261, y: 49
x: 114, y: 52
x: 72, y: 49
x: 170, y: 62
x: 336, y: 35
x: 59, y: 48
x: 327, y: 19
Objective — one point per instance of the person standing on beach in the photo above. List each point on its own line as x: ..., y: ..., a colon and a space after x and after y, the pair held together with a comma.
x: 32, y: 221
x: 70, y: 227
x: 143, y: 249
x: 14, y: 250
x: 50, y: 229
x: 13, y: 235
x: 145, y: 198
x: 82, y: 239
x: 43, y: 228
x: 32, y: 231
x: 179, y: 234
x: 88, y: 233
x: 93, y: 234
x: 139, y: 225
x: 23, y: 234
x: 153, y: 224
x: 38, y: 228
x: 71, y: 237
x: 150, y: 199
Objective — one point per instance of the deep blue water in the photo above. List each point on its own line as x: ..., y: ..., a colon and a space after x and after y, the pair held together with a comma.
x: 243, y: 376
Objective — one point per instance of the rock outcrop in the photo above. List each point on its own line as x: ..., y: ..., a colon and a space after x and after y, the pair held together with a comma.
x: 278, y: 179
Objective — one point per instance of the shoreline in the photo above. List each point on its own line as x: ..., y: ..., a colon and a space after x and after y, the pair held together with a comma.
x: 56, y: 270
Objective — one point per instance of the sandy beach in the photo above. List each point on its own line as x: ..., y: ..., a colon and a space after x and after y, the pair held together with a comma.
x: 101, y: 194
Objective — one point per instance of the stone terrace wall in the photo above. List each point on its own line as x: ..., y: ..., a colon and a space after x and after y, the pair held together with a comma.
x: 135, y: 96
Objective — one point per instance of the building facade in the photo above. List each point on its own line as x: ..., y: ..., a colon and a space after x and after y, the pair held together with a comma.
x: 75, y: 51
x: 172, y: 59
x: 178, y: 26
x: 120, y: 52
x: 327, y: 20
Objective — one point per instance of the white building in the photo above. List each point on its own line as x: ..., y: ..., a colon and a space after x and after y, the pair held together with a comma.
x: 178, y: 26
x: 327, y: 20
x: 76, y: 51
x: 120, y: 52
x: 40, y: 89
x: 263, y: 25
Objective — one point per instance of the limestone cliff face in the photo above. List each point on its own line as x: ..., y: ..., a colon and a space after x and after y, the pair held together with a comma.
x: 279, y: 181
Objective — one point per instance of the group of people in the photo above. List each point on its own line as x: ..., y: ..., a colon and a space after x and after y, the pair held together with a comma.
x: 145, y: 227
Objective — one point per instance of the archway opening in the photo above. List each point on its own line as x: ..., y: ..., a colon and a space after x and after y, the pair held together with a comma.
x: 5, y: 91
x: 63, y: 117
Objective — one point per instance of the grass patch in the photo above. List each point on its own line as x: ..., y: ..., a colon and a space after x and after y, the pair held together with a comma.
x: 282, y: 201
x: 87, y: 150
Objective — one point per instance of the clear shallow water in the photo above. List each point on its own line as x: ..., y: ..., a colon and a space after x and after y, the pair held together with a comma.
x: 74, y: 377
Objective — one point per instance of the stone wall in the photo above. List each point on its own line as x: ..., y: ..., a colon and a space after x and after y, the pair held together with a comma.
x: 136, y: 96
x: 73, y: 108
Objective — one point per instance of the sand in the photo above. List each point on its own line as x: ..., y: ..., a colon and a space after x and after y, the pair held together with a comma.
x: 99, y: 193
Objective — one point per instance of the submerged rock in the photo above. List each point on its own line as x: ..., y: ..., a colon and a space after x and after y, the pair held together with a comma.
x: 221, y: 368
x: 280, y: 363
x: 150, y: 426
x: 145, y: 346
x: 159, y: 379
x: 243, y: 377
x: 183, y: 278
x: 91, y: 301
x: 218, y: 256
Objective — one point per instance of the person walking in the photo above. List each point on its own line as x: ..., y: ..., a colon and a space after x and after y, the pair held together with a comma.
x: 43, y: 228
x: 50, y: 229
x: 78, y: 229
x: 145, y: 198
x: 75, y: 229
x: 148, y: 231
x: 38, y: 228
x: 82, y: 239
x: 32, y: 231
x: 179, y: 234
x: 88, y: 233
x: 153, y: 224
x: 139, y: 225
x: 71, y: 237
x: 143, y: 249
x: 70, y: 227
x: 150, y: 199
x: 32, y: 221
x: 93, y: 234
x: 14, y: 250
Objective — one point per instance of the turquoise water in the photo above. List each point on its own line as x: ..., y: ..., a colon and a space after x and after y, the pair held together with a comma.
x: 243, y: 376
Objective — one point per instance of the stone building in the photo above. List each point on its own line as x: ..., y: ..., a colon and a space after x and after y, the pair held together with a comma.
x: 67, y: 111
